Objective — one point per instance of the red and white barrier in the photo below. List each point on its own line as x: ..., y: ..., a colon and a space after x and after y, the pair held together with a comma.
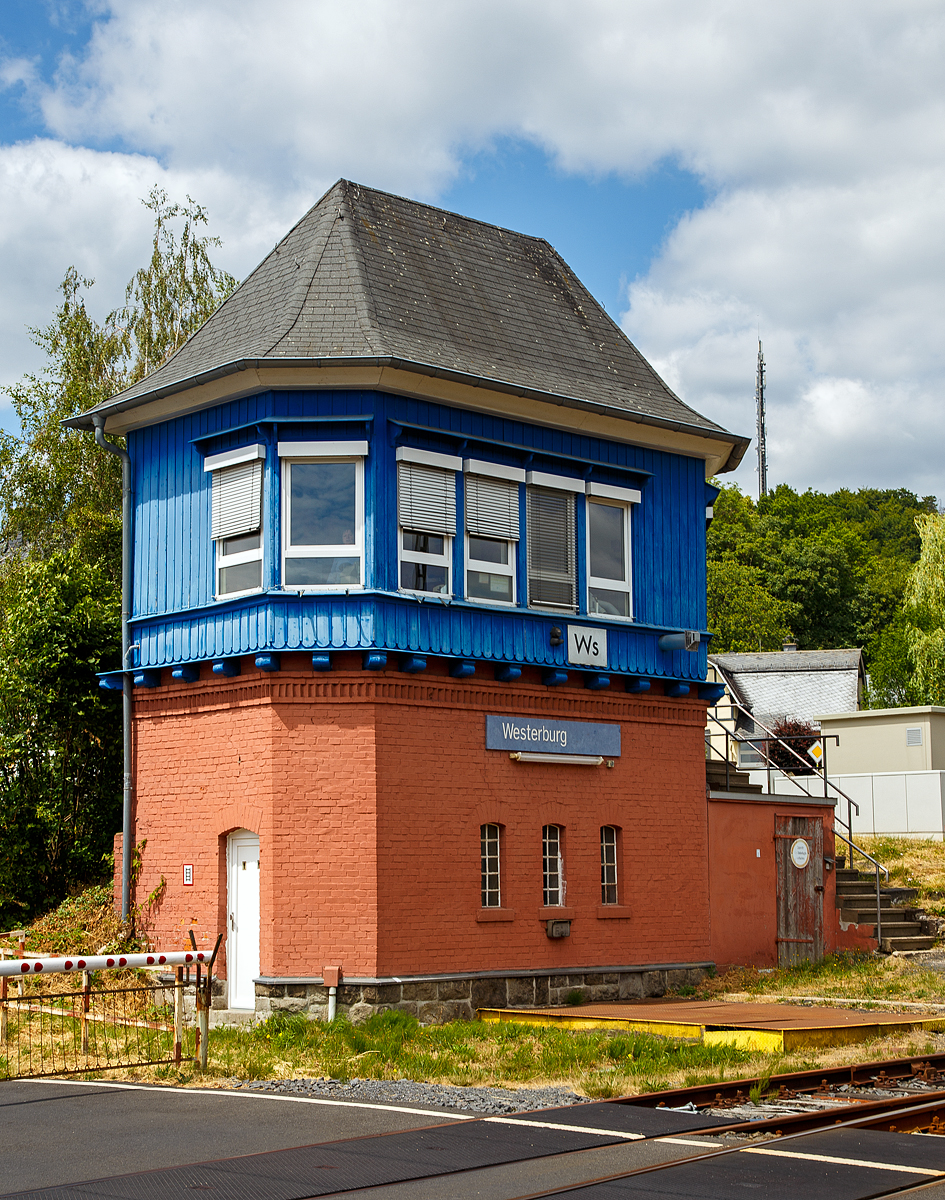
x: 100, y: 962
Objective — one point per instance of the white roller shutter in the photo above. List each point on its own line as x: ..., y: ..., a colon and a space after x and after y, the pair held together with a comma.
x: 237, y: 500
x: 551, y: 549
x: 492, y: 507
x: 426, y: 498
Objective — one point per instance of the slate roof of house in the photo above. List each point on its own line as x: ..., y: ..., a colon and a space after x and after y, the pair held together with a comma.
x: 367, y: 277
x: 794, y: 683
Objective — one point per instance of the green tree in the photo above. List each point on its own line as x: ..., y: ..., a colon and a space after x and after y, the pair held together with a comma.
x: 925, y: 613
x: 60, y: 514
x: 743, y: 615
x: 60, y: 735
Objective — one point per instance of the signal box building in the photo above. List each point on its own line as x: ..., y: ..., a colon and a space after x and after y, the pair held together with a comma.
x: 419, y: 624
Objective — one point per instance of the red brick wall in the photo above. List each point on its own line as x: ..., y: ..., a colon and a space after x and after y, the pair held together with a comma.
x: 367, y: 790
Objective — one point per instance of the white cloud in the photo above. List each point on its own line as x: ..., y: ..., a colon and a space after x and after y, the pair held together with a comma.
x: 847, y: 289
x: 818, y: 126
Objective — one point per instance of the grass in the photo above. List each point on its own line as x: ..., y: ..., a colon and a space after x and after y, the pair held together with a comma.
x: 869, y: 978
x: 912, y: 862
x: 393, y: 1045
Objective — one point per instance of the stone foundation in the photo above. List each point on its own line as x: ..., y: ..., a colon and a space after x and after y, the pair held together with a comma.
x: 437, y: 999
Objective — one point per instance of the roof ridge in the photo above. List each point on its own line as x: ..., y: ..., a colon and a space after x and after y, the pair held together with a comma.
x: 316, y: 252
x: 363, y: 296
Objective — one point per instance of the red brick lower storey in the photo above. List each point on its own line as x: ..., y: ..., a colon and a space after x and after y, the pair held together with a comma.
x: 367, y: 791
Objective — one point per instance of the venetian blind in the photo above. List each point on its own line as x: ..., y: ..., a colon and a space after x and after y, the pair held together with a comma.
x: 551, y: 548
x: 492, y: 507
x: 237, y: 500
x: 426, y: 498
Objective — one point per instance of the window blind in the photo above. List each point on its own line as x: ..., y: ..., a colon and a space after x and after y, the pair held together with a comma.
x: 551, y: 549
x: 426, y: 498
x: 237, y: 500
x: 492, y: 507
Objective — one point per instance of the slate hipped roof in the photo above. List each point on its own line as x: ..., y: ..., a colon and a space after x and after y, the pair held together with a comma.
x: 367, y: 277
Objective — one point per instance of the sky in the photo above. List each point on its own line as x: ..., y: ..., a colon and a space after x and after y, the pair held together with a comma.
x: 715, y: 171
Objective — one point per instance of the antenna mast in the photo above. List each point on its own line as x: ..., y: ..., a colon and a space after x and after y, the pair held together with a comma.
x: 760, y: 407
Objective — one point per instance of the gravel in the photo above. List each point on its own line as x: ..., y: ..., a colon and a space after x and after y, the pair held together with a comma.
x: 487, y: 1100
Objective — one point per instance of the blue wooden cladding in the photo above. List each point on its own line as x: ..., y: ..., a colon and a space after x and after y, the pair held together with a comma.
x: 179, y: 623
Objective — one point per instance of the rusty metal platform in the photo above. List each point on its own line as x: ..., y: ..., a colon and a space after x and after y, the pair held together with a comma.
x: 777, y: 1028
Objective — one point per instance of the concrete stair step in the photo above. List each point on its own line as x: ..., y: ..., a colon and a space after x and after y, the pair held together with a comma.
x: 866, y: 914
x: 907, y: 943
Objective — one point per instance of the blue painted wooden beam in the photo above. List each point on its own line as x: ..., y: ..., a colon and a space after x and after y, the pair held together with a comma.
x: 676, y: 689
x: 226, y: 666
x: 186, y: 672
x: 112, y: 682
x: 374, y: 660
x: 506, y: 673
x: 462, y: 669
x: 554, y: 678
x: 711, y: 691
x: 637, y: 685
x: 413, y: 663
x: 148, y: 679
x: 594, y: 683
x: 268, y: 662
x: 321, y: 662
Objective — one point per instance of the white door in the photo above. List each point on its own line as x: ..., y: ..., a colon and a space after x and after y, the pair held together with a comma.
x: 242, y: 943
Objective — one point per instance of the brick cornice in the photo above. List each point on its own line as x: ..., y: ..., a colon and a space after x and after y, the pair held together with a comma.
x: 359, y: 687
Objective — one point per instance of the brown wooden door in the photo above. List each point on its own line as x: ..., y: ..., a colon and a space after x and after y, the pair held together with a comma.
x: 800, y: 889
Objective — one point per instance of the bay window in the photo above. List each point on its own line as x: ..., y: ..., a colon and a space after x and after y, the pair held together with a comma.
x: 552, y: 559
x: 608, y: 550
x: 426, y: 520
x: 492, y: 530
x: 236, y: 518
x: 323, y: 514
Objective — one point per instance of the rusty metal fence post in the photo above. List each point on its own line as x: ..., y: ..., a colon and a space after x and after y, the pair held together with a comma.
x: 84, y: 1009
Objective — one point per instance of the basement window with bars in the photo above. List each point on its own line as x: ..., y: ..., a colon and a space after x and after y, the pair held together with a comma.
x: 608, y: 864
x: 236, y: 518
x: 552, y: 573
x: 426, y: 519
x: 553, y: 885
x: 492, y: 531
x: 491, y: 893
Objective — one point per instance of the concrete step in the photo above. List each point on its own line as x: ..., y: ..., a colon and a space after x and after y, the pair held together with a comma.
x: 906, y: 943
x: 866, y: 914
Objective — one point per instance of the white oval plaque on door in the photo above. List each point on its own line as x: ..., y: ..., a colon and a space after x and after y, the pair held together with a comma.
x: 800, y: 853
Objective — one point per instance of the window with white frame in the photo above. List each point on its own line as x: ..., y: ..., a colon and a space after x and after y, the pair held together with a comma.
x: 426, y: 519
x: 552, y: 559
x: 553, y: 885
x: 491, y: 892
x: 492, y: 530
x: 322, y: 514
x: 236, y: 518
x: 608, y: 549
x: 608, y: 864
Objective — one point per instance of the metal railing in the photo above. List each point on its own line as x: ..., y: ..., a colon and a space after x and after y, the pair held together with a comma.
x: 757, y: 743
x: 47, y: 1031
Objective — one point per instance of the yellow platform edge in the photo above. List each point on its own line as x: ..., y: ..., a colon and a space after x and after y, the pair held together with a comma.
x: 770, y: 1041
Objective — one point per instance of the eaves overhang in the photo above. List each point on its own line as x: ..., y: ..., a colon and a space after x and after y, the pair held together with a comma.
x: 124, y: 415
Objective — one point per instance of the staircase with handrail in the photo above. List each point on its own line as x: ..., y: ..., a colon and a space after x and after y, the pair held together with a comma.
x: 852, y: 878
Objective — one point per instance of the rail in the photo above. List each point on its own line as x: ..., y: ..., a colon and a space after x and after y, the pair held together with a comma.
x: 48, y: 1031
x: 756, y: 743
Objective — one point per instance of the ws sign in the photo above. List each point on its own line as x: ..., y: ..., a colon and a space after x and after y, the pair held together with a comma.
x: 587, y: 647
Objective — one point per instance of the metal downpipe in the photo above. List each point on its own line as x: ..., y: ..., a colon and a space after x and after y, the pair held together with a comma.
x: 127, y: 836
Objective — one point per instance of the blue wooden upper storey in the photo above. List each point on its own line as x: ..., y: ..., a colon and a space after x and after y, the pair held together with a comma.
x: 587, y: 509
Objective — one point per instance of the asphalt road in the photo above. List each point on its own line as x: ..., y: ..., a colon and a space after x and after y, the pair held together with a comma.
x: 57, y: 1133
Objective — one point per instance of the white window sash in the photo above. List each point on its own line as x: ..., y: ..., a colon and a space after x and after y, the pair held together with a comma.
x: 552, y: 558
x: 432, y: 560
x: 507, y: 570
x: 613, y: 585
x: 355, y: 550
